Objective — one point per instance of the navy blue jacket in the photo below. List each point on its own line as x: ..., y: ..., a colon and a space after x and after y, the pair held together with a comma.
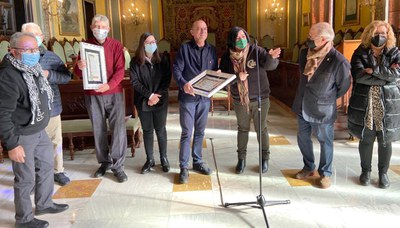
x: 316, y: 99
x: 190, y: 61
x: 58, y: 74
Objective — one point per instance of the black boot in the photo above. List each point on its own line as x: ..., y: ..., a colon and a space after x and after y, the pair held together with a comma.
x: 365, y: 178
x: 383, y: 180
x: 240, y: 166
x: 164, y: 164
x: 265, y: 165
x: 147, y: 166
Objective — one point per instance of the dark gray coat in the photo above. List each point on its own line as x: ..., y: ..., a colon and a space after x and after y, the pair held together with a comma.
x: 316, y: 99
x: 386, y: 77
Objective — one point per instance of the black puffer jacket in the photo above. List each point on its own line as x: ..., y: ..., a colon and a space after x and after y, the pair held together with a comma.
x: 386, y: 77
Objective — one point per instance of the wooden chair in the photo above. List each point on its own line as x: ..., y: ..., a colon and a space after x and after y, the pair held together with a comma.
x: 358, y: 34
x: 348, y: 35
x: 4, y: 45
x: 338, y: 38
x: 127, y: 58
x: 211, y: 38
x: 267, y: 42
x: 76, y: 45
x: 57, y: 48
x: 69, y: 51
x: 295, y: 53
x: 164, y: 45
x: 223, y: 96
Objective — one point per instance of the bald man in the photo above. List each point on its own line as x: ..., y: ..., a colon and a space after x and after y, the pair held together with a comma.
x: 193, y: 58
x: 325, y: 76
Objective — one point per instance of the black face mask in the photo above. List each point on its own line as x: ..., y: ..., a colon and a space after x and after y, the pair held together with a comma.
x: 378, y: 40
x: 311, y: 44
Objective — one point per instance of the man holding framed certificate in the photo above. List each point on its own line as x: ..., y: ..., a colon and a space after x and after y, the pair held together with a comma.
x: 105, y: 100
x: 193, y: 58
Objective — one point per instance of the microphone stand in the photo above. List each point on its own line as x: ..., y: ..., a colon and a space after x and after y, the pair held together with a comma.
x: 260, y: 202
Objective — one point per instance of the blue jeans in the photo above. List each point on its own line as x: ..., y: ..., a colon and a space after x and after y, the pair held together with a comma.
x: 325, y: 136
x: 192, y: 115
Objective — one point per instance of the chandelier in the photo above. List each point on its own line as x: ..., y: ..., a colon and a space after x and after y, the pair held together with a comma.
x: 50, y: 5
x: 275, y: 12
x: 133, y: 15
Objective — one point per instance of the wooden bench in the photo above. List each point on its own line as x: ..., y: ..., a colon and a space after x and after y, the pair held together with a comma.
x: 76, y: 122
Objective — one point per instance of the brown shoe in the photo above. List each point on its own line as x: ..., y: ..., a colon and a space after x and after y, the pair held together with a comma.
x: 325, y: 182
x: 304, y: 173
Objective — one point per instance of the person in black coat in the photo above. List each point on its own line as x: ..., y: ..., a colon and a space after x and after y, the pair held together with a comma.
x: 246, y: 61
x: 150, y: 76
x: 375, y: 101
x: 325, y: 76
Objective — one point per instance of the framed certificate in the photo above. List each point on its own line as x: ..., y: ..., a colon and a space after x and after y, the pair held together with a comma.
x: 95, y: 73
x: 209, y: 82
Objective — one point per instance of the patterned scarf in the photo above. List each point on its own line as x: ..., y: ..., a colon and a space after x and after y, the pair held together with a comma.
x: 375, y: 105
x: 239, y: 65
x: 314, y: 59
x: 28, y: 73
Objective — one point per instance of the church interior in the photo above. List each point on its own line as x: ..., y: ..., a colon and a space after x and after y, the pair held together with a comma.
x: 157, y: 199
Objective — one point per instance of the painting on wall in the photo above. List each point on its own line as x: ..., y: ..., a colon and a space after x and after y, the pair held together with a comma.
x: 69, y: 18
x: 351, y: 13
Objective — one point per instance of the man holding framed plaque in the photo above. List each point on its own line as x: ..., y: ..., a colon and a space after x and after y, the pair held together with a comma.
x: 192, y: 59
x: 105, y: 101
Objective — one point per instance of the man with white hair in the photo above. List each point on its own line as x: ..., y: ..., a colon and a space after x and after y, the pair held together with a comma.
x: 107, y: 102
x: 325, y: 76
x: 56, y: 73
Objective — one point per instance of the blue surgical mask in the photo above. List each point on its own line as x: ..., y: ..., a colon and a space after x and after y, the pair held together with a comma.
x: 39, y: 40
x: 150, y: 48
x: 30, y: 59
x: 100, y: 34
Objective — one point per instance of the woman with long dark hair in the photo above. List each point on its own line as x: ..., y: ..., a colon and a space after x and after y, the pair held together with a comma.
x: 150, y: 76
x: 244, y: 60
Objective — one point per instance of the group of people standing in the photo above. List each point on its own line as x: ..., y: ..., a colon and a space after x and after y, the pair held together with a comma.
x: 30, y: 104
x: 374, y: 106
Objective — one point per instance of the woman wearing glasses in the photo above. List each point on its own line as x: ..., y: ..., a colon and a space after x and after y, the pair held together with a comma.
x: 375, y: 101
x: 150, y: 76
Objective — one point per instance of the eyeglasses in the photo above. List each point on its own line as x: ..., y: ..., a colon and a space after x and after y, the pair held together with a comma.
x: 27, y: 50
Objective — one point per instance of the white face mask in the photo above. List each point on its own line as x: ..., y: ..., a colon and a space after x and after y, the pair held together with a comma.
x: 100, y: 34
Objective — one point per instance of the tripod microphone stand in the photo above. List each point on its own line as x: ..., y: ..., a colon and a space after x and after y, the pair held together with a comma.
x: 260, y: 199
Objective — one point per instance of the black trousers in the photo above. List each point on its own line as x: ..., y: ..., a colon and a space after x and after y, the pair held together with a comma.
x: 366, y: 147
x: 154, y: 121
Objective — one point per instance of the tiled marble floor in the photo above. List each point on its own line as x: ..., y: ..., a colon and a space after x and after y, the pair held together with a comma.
x: 154, y: 200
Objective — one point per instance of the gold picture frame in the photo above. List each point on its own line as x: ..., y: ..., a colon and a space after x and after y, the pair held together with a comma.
x: 351, y: 12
